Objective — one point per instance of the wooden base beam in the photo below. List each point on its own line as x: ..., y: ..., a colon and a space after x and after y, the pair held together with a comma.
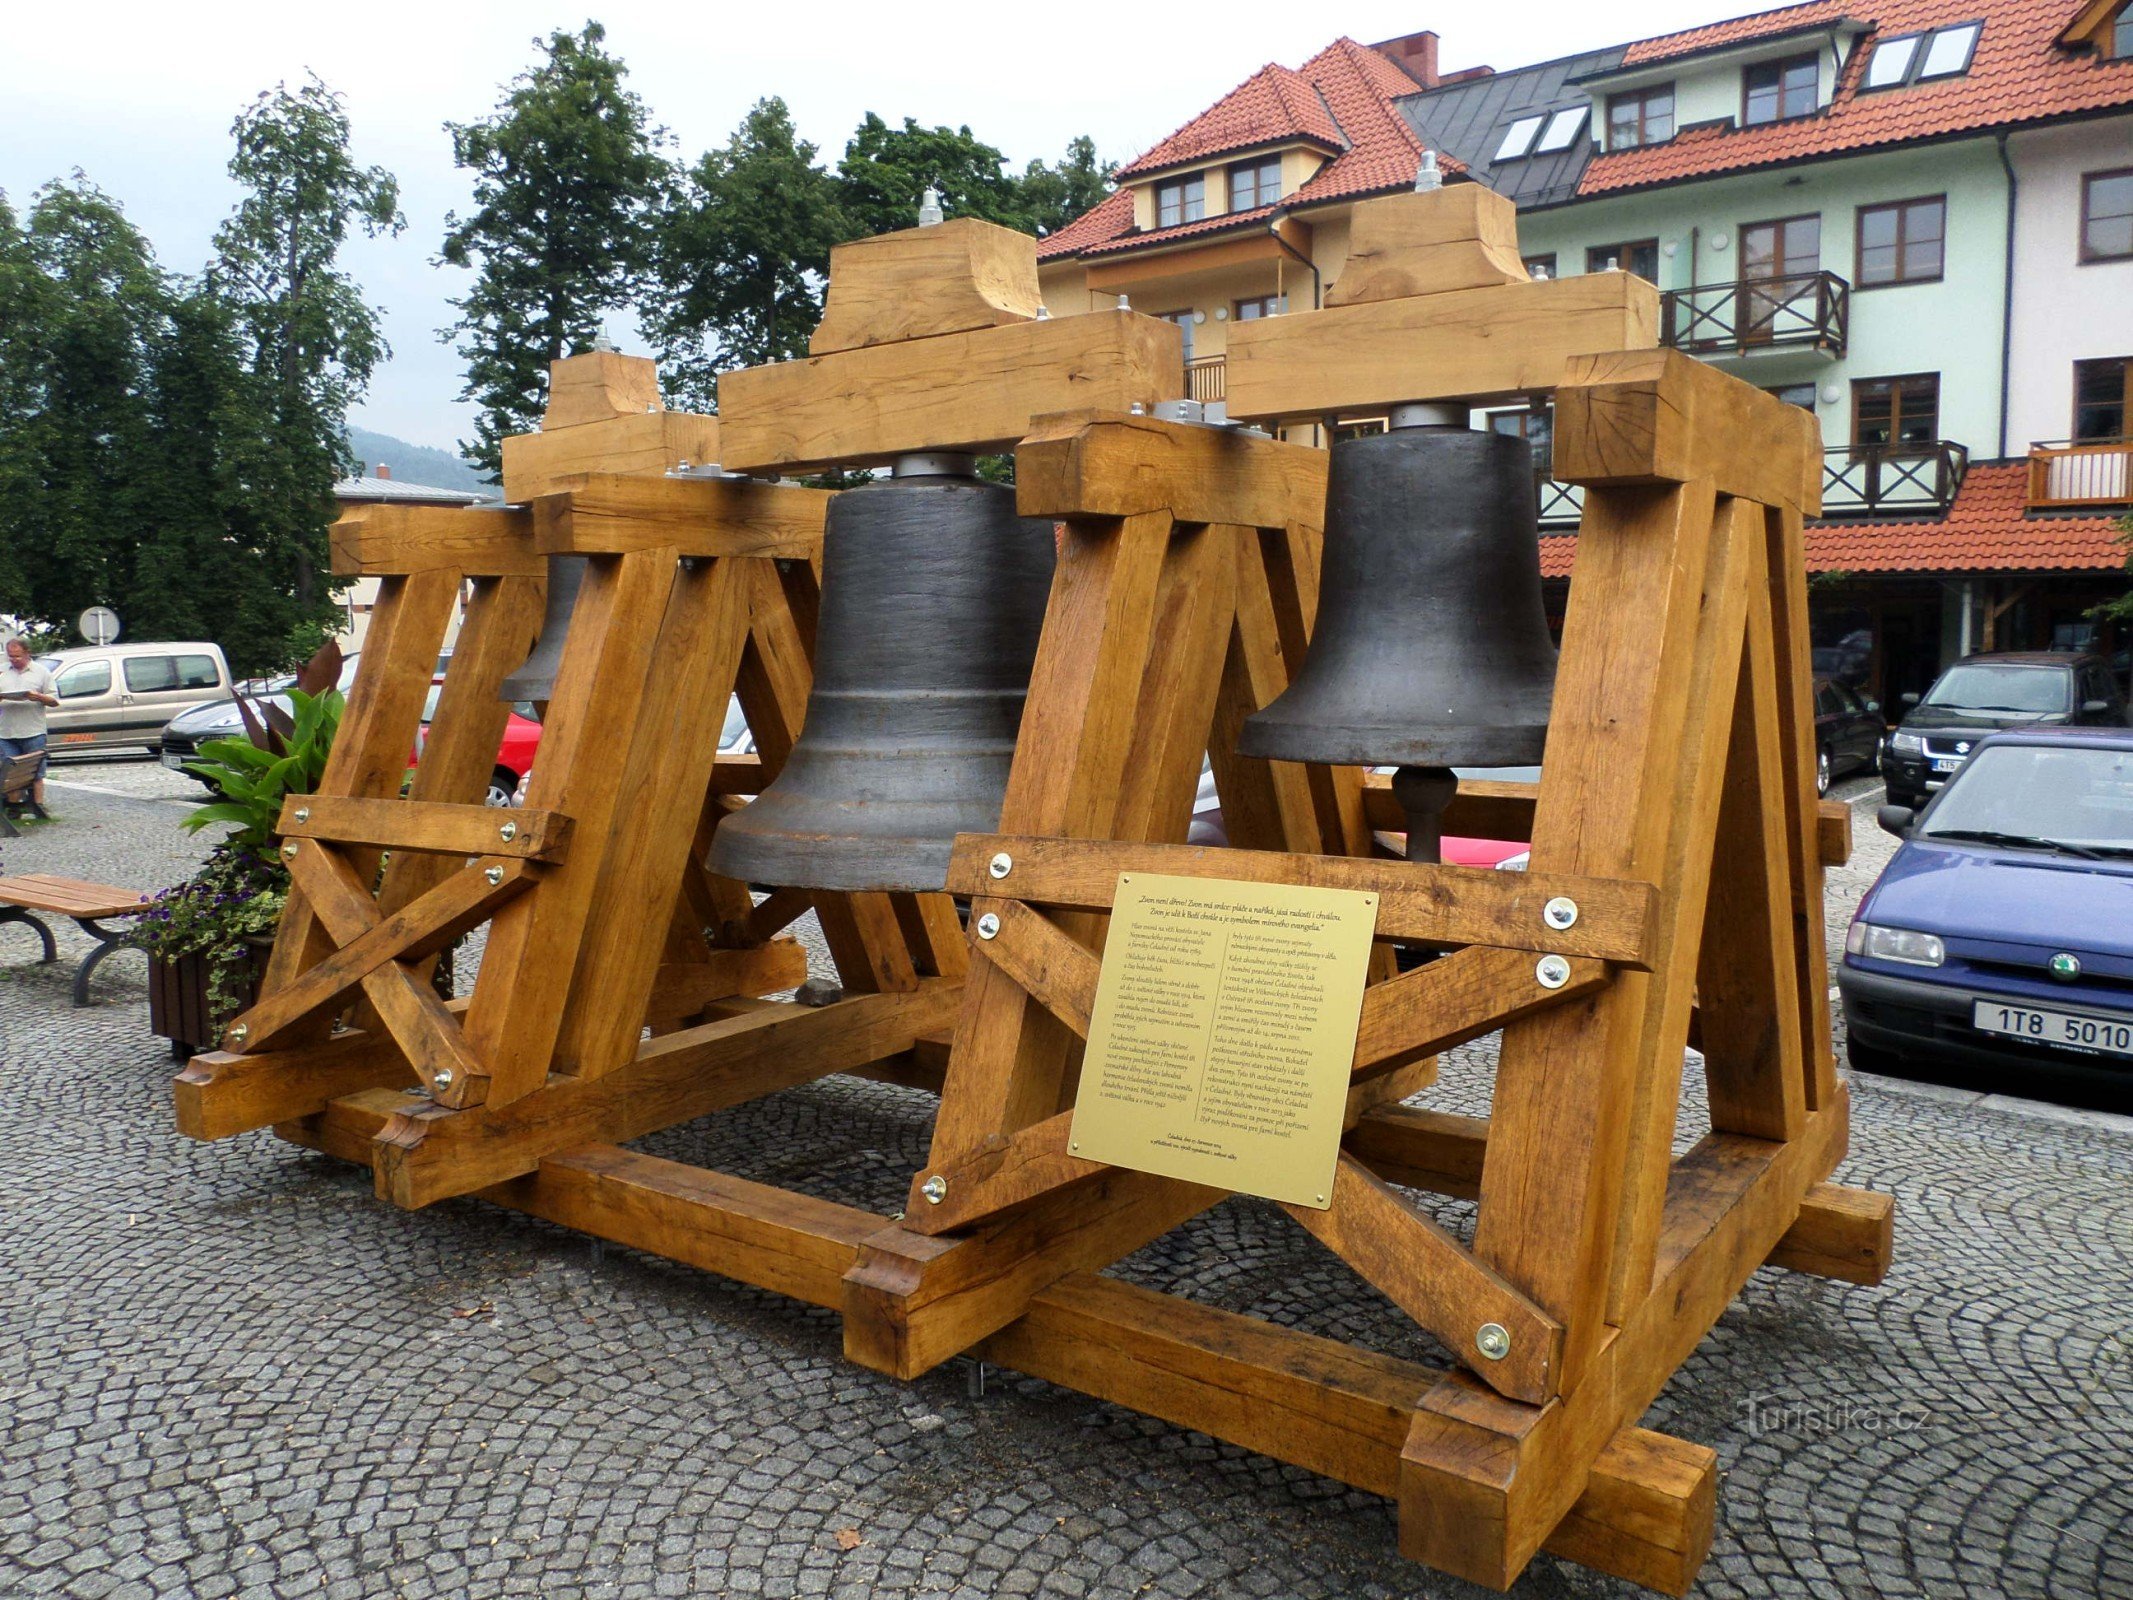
x: 1486, y: 1481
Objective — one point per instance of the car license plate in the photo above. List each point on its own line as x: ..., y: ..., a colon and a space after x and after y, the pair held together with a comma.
x: 1946, y: 763
x: 77, y: 738
x: 176, y: 763
x: 2104, y: 1034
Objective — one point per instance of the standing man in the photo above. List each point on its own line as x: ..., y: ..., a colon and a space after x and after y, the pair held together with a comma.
x: 26, y: 693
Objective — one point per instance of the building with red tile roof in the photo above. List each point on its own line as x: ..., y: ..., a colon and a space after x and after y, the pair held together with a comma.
x: 1914, y: 219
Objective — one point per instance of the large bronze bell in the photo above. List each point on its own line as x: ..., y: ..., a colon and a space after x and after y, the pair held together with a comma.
x: 535, y: 677
x: 933, y: 594
x: 1431, y: 648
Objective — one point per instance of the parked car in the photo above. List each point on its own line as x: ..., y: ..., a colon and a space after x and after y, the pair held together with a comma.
x: 514, y: 754
x: 1999, y: 935
x: 1848, y: 732
x: 118, y: 695
x: 184, y: 733
x: 1983, y: 694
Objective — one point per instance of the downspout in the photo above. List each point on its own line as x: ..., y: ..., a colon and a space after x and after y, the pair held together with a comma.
x: 2007, y: 271
x: 1273, y: 228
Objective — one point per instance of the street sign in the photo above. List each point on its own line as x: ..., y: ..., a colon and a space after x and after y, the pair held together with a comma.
x: 99, y: 624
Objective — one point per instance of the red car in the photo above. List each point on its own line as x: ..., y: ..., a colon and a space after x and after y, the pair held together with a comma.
x: 514, y: 756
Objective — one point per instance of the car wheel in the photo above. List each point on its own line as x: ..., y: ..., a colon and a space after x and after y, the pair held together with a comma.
x: 502, y: 786
x: 1821, y: 772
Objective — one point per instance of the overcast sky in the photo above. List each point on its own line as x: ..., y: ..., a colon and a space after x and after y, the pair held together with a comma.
x: 141, y: 96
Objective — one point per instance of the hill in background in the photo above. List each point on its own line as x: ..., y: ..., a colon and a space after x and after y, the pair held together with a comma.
x: 415, y: 463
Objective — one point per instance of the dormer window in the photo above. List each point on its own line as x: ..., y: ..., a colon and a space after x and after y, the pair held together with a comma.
x: 1253, y: 184
x: 1640, y: 116
x: 1180, y: 200
x: 1518, y: 138
x: 1776, y: 91
x: 1922, y: 57
x: 2122, y: 34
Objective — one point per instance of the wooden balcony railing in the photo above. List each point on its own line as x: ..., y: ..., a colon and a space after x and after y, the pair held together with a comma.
x: 1204, y: 379
x: 1807, y: 310
x: 2095, y: 472
x: 1907, y: 480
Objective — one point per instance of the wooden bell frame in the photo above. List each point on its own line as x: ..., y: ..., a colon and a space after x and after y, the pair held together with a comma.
x: 1681, y: 735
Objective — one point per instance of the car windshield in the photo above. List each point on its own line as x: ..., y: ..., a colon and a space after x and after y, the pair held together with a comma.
x: 2057, y: 794
x: 1995, y: 686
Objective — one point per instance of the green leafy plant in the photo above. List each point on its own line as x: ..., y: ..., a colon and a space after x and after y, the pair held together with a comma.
x: 234, y: 901
x: 282, y: 753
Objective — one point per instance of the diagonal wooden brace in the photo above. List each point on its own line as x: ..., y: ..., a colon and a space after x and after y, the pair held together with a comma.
x: 407, y: 1007
x: 433, y: 921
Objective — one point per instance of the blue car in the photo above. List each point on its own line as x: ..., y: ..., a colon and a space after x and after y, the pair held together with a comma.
x: 2002, y: 932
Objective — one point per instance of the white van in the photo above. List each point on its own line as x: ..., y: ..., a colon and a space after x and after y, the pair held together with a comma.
x: 115, y: 695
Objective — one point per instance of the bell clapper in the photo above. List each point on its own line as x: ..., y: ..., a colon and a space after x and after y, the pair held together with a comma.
x: 1423, y: 793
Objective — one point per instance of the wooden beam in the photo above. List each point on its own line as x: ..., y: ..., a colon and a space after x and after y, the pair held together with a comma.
x: 1643, y: 417
x: 957, y: 391
x: 652, y: 443
x: 1451, y: 905
x: 1470, y: 344
x: 594, y: 385
x: 1848, y: 1234
x: 1646, y: 1514
x: 1457, y: 997
x: 1486, y: 808
x: 953, y: 277
x: 474, y: 541
x: 1107, y: 465
x: 429, y: 1153
x: 427, y: 826
x: 220, y: 1094
x: 1463, y: 236
x: 600, y: 513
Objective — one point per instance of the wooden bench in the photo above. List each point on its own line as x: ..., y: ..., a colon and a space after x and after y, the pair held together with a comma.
x: 88, y: 904
x: 17, y: 773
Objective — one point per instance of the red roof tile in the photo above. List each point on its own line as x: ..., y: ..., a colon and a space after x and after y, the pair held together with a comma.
x: 1986, y: 530
x: 1274, y: 103
x: 1343, y: 97
x: 2018, y: 75
x: 1738, y: 30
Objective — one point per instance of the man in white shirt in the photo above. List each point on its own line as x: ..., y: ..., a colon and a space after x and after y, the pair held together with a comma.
x: 26, y: 692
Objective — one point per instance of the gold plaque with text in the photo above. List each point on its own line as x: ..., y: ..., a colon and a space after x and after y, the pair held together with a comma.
x: 1223, y: 1033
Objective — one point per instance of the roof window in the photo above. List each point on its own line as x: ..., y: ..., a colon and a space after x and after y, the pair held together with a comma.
x: 1518, y: 139
x: 1562, y: 128
x: 1919, y: 57
x: 1891, y: 61
x: 1948, y: 51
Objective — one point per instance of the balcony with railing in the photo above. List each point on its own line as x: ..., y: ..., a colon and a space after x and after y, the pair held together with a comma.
x: 1917, y: 480
x: 1903, y: 480
x: 2094, y: 474
x: 1806, y: 311
x: 1204, y: 379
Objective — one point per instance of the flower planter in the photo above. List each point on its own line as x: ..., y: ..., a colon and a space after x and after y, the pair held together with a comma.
x: 178, y: 1006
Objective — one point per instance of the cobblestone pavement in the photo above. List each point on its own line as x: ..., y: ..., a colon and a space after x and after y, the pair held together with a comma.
x: 229, y: 1371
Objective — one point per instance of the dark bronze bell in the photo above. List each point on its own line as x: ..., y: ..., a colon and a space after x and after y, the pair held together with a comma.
x: 1431, y: 648
x: 535, y: 678
x: 933, y: 594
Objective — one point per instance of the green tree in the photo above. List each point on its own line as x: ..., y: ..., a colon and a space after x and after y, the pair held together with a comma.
x: 885, y: 172
x: 742, y: 255
x: 312, y: 340
x: 25, y: 310
x: 84, y: 455
x: 1053, y: 196
x: 568, y: 172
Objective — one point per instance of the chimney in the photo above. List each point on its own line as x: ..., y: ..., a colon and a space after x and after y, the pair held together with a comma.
x: 1414, y: 53
x: 384, y: 471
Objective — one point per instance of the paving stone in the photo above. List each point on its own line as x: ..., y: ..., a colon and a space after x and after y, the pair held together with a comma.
x: 229, y: 1371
